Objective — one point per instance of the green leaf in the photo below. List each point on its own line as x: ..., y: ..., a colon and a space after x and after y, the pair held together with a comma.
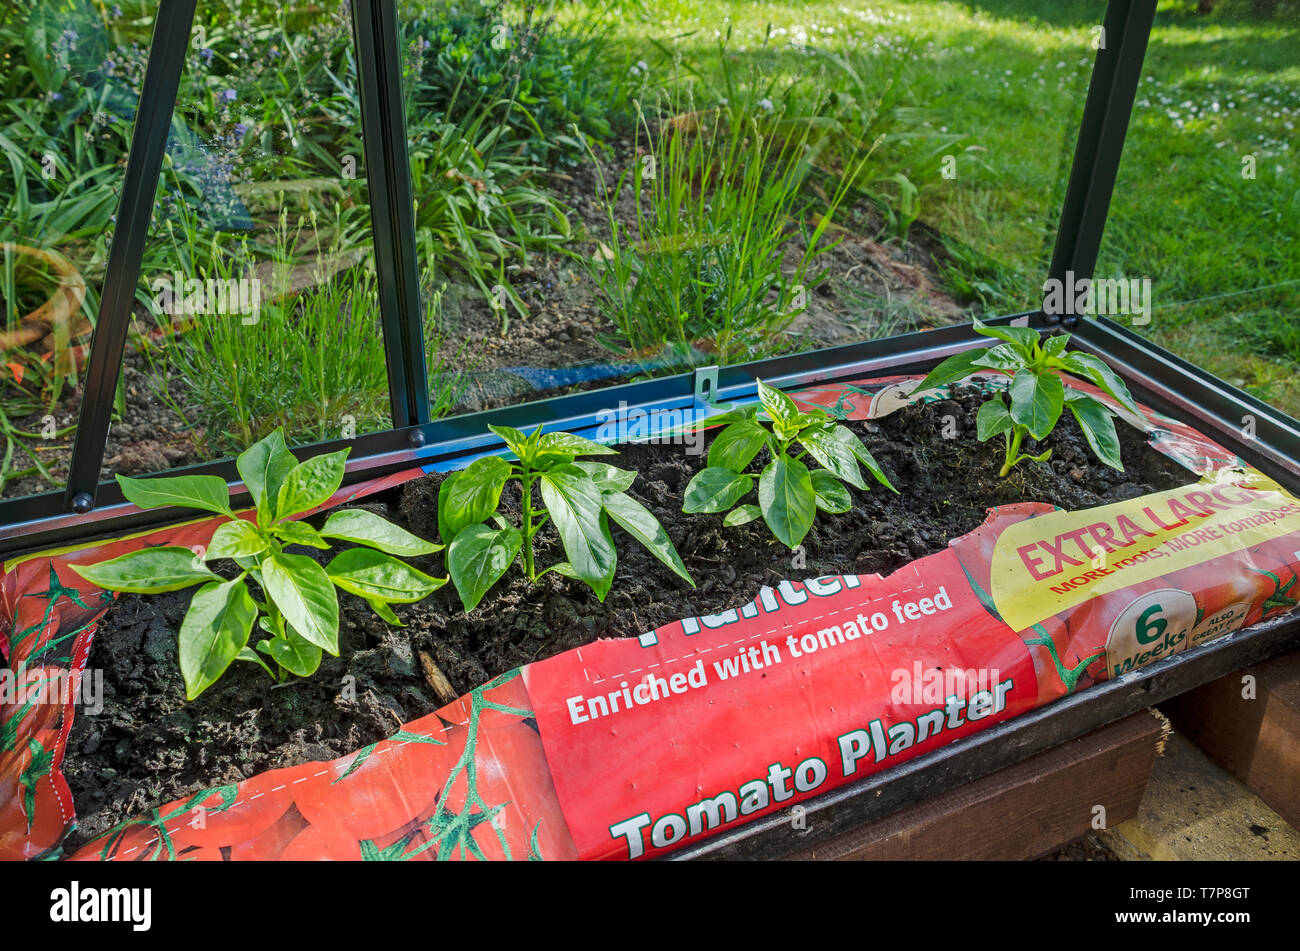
x: 577, y: 511
x: 207, y: 492
x: 478, y: 557
x: 741, y: 515
x: 1098, y: 425
x: 1099, y: 373
x: 294, y: 653
x: 264, y: 466
x: 515, y: 441
x: 833, y: 452
x: 785, y: 494
x: 311, y: 483
x: 1023, y: 338
x: 992, y: 419
x: 1036, y: 401
x: 250, y: 655
x: 38, y: 40
x: 736, y: 446
x: 737, y: 414
x: 372, y: 574
x: 782, y: 410
x: 473, y: 496
x: 1002, y: 357
x: 305, y: 596
x: 953, y: 369
x: 149, y: 571
x: 214, y: 631
x: 541, y: 459
x: 385, y: 612
x: 1054, y: 346
x: 831, y: 496
x: 444, y: 493
x: 236, y: 539
x: 299, y: 533
x: 608, y: 478
x: 561, y: 568
x: 638, y: 522
x: 865, y: 457
x: 716, y: 489
x: 573, y: 445
x: 367, y: 528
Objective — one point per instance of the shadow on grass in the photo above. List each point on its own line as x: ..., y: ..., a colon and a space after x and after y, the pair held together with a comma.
x: 1180, y: 13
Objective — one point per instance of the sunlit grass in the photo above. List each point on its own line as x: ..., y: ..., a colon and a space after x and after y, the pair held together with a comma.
x: 1222, y: 250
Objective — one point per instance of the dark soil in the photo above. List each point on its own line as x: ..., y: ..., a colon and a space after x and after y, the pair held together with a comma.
x: 148, y: 746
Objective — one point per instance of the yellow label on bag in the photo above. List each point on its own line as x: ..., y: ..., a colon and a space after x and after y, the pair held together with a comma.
x: 1044, y: 565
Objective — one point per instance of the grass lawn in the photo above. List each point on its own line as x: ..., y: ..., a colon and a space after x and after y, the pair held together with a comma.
x: 1207, y: 205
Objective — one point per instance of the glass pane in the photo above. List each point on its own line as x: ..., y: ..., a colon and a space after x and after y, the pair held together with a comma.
x: 258, y: 307
x: 66, y: 105
x: 609, y: 191
x: 1206, y: 214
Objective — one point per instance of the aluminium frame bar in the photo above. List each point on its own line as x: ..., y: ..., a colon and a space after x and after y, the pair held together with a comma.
x: 379, y: 82
x: 149, y: 135
x: 1126, y: 31
x: 376, y: 32
x: 1156, y: 377
x: 34, y: 522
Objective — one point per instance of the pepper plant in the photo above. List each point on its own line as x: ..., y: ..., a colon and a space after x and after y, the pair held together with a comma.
x: 1037, y: 394
x: 298, y: 608
x: 789, y: 491
x: 578, y: 498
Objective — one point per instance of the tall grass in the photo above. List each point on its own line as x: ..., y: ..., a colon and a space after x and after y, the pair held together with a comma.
x: 313, y: 362
x: 727, y: 232
x: 479, y: 208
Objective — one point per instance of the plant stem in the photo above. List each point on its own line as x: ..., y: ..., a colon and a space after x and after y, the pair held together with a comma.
x: 1014, y: 457
x: 1013, y: 447
x: 528, y: 526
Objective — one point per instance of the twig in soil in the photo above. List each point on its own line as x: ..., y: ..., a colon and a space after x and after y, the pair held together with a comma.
x: 436, y: 679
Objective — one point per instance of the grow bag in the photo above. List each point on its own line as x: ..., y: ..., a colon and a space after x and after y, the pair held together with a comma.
x: 636, y: 747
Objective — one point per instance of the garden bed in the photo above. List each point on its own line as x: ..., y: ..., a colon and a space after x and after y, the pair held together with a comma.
x: 149, y: 746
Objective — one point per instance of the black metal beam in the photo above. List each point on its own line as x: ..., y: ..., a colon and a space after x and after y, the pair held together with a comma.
x: 376, y: 31
x: 1157, y: 377
x: 153, y: 120
x: 35, y: 522
x: 1106, y: 114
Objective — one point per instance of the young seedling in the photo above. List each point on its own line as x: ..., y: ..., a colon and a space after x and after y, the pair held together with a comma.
x: 789, y: 492
x: 299, y: 609
x: 1038, y: 395
x: 578, y: 498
